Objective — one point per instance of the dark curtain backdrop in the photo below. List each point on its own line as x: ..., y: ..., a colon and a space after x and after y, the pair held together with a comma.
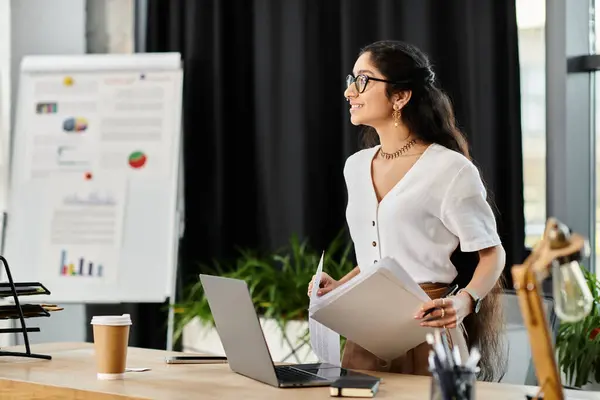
x: 266, y: 128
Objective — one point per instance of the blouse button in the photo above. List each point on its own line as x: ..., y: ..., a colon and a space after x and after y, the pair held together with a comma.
x: 374, y: 244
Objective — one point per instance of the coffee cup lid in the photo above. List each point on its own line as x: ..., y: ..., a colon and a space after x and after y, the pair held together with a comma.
x: 113, y: 320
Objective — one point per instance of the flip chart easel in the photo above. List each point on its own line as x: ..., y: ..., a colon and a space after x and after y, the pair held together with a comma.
x: 95, y: 204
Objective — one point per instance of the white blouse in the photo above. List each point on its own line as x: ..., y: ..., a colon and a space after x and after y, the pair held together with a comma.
x: 439, y: 203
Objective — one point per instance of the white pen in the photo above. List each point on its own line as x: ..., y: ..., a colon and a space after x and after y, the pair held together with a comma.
x: 456, y: 354
x: 438, y: 346
x: 431, y: 361
x: 446, y: 349
x: 429, y: 338
x: 437, y: 335
x: 473, y: 359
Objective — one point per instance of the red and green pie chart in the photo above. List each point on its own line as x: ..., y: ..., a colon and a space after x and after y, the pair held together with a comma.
x: 137, y: 159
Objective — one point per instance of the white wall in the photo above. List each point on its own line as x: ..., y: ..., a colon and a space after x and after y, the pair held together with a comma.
x: 5, y: 84
x: 4, y: 117
x: 45, y: 27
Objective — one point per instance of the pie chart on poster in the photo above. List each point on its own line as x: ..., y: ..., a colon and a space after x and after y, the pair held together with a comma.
x: 78, y: 124
x: 137, y: 159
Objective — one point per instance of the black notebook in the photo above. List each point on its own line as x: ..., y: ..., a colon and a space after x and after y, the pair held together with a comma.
x: 353, y: 386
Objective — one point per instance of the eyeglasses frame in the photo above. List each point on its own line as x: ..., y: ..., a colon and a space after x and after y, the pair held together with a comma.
x: 368, y: 78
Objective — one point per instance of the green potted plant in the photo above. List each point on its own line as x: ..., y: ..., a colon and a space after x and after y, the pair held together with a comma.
x: 277, y: 282
x: 578, y: 343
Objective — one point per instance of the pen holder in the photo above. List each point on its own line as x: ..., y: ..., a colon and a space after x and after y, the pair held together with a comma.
x: 453, y: 384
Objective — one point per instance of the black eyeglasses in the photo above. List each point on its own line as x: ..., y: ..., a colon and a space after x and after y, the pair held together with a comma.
x: 360, y: 82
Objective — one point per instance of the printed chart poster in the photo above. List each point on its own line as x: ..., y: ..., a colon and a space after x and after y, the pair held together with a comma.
x: 111, y: 121
x: 61, y: 126
x: 136, y: 124
x: 83, y: 227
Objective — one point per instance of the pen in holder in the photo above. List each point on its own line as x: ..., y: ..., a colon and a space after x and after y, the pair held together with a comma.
x: 456, y: 384
x: 451, y: 379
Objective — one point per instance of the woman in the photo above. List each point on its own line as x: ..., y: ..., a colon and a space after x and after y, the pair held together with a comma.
x: 415, y: 195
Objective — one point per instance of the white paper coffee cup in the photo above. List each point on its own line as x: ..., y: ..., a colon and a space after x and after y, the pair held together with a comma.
x: 112, y: 320
x: 111, y: 339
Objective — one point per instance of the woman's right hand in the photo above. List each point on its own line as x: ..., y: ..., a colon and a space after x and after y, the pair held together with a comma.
x: 327, y: 284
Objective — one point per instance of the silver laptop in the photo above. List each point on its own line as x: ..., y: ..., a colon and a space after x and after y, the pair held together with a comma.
x: 244, y: 342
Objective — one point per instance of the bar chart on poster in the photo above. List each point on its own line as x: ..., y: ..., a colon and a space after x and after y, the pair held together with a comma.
x: 95, y: 205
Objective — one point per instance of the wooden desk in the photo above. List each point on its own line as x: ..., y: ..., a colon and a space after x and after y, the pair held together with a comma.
x: 71, y: 374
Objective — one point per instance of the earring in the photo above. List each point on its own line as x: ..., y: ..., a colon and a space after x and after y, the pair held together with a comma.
x: 396, y: 116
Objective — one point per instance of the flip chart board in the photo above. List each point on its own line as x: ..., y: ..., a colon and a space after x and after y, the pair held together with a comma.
x: 94, y: 207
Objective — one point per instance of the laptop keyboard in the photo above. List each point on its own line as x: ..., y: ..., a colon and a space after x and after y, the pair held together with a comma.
x: 287, y: 374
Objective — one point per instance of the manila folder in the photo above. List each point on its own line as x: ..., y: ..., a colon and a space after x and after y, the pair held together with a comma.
x: 376, y: 310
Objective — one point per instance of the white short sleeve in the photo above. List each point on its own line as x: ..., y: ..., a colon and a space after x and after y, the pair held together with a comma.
x: 467, y: 214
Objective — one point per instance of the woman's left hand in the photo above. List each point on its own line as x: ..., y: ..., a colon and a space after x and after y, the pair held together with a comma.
x: 448, y: 312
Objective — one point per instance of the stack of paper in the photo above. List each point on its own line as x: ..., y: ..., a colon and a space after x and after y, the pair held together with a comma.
x: 324, y: 342
x: 29, y: 310
x: 375, y: 310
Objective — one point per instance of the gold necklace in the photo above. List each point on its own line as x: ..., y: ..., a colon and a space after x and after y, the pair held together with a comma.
x: 397, y: 153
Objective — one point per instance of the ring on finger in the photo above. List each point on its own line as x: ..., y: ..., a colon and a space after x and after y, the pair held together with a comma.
x: 443, y: 301
x: 443, y: 312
